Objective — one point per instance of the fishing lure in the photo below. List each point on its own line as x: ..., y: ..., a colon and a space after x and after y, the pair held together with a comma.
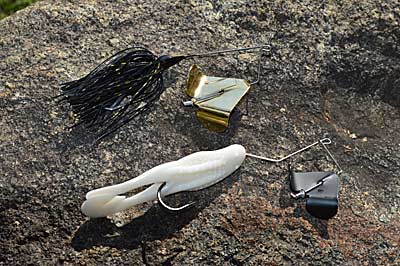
x: 191, y: 173
x: 216, y: 97
x: 123, y: 87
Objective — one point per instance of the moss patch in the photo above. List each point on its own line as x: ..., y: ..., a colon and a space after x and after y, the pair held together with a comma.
x: 8, y: 7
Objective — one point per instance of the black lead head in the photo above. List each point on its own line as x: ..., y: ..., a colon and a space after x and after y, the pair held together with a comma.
x: 167, y: 61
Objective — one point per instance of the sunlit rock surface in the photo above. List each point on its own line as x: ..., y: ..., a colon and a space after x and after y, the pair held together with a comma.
x: 333, y: 71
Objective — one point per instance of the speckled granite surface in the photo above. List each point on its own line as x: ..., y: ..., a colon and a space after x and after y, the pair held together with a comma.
x: 334, y: 71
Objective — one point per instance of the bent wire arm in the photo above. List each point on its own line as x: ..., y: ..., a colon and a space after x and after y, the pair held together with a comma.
x: 193, y: 172
x: 323, y: 142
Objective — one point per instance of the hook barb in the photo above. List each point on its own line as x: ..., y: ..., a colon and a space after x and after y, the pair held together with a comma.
x: 160, y: 200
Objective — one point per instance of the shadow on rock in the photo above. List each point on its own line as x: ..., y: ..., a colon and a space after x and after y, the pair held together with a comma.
x: 201, y: 137
x: 321, y: 226
x: 156, y: 224
x: 368, y: 62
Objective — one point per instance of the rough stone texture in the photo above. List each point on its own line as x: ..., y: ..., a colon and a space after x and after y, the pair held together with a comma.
x: 334, y: 71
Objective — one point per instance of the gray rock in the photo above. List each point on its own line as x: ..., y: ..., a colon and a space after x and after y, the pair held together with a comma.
x: 334, y: 70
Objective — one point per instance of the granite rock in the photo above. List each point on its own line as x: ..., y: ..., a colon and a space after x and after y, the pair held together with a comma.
x: 333, y: 70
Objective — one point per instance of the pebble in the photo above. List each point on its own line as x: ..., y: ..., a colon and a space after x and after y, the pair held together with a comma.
x: 384, y: 219
x: 113, y: 41
x: 10, y: 85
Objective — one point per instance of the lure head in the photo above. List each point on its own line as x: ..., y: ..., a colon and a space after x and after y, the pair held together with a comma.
x: 167, y: 61
x: 203, y: 169
x: 235, y: 155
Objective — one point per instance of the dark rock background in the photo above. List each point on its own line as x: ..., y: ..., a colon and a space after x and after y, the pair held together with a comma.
x: 333, y: 71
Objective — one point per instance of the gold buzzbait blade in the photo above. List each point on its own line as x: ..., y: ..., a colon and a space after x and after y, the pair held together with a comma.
x: 215, y: 97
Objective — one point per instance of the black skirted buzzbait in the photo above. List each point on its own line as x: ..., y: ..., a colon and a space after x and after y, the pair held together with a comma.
x: 122, y: 87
